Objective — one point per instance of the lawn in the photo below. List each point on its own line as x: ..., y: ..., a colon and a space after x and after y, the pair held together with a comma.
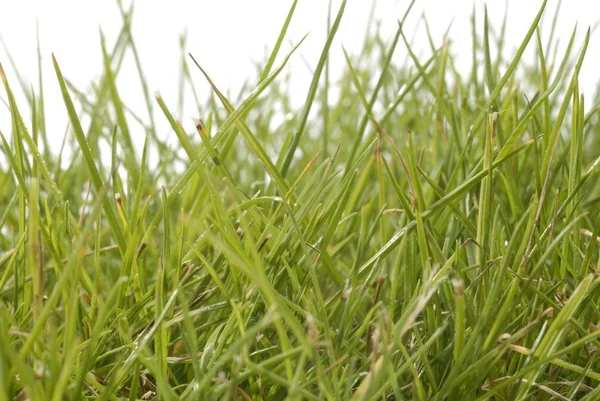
x: 413, y: 231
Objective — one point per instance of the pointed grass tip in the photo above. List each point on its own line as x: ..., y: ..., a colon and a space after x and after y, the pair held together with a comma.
x: 199, y: 124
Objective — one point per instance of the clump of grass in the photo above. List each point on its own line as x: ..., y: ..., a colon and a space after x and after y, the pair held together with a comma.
x: 439, y: 240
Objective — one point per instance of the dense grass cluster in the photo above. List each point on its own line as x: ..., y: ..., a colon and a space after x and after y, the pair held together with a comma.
x: 426, y: 233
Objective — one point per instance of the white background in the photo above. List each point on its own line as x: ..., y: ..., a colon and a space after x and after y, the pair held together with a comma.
x: 227, y: 35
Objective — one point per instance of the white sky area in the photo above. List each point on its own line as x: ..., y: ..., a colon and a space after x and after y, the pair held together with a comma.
x: 226, y: 36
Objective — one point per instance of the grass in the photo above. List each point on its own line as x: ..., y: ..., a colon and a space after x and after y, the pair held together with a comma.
x: 428, y: 234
